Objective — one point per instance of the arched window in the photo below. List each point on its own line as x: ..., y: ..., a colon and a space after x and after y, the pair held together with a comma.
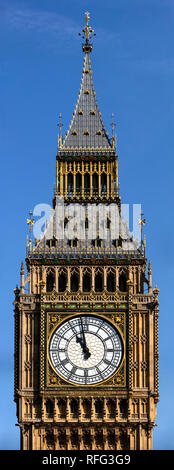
x: 111, y: 282
x: 78, y: 182
x: 86, y: 282
x: 122, y: 282
x: 99, y: 407
x: 62, y: 407
x: 123, y: 406
x: 49, y: 407
x: 74, y: 406
x: 50, y: 282
x: 103, y: 183
x: 87, y: 407
x: 87, y: 182
x: 74, y: 282
x: 70, y: 183
x: 62, y: 282
x: 98, y: 282
x: 95, y: 182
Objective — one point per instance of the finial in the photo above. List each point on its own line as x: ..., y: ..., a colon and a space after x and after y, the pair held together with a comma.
x: 22, y: 267
x: 30, y: 222
x: 144, y: 245
x: 142, y: 222
x: 113, y: 134
x: 87, y: 33
x: 60, y: 125
x: 155, y: 293
x: 16, y: 292
x: 149, y: 266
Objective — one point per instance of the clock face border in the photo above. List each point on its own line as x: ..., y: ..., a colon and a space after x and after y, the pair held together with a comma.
x: 78, y: 315
x: 50, y: 379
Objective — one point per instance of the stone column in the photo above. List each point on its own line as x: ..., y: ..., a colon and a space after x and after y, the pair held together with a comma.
x: 74, y: 180
x: 99, y: 178
x: 66, y: 173
x: 91, y: 179
x: 61, y: 179
x: 80, y: 279
x: 105, y: 277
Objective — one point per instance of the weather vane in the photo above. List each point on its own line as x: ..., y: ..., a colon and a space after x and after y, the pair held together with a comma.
x: 87, y: 33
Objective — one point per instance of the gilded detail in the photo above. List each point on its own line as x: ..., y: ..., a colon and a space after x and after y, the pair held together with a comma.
x: 86, y: 316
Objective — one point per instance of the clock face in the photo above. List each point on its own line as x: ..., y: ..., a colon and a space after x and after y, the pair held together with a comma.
x: 85, y: 350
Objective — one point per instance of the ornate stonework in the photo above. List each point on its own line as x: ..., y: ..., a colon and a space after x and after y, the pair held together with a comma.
x: 90, y: 279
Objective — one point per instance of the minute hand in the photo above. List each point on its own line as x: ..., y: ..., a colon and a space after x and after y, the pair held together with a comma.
x: 83, y: 334
x: 82, y: 342
x: 87, y: 354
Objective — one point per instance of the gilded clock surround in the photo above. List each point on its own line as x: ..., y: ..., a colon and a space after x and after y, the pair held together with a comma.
x: 52, y: 378
x: 97, y: 277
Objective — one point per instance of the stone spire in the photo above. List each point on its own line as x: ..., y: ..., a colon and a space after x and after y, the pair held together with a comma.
x: 86, y: 130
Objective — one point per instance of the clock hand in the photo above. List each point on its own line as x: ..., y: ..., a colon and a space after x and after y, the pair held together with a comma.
x: 82, y: 342
x: 86, y: 352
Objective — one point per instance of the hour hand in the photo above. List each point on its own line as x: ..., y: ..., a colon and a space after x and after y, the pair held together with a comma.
x: 86, y: 353
x: 79, y: 340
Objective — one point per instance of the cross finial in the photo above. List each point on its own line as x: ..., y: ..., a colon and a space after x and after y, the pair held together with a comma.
x: 87, y: 32
x: 87, y: 16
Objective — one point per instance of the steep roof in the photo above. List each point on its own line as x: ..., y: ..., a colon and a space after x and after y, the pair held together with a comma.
x: 86, y: 129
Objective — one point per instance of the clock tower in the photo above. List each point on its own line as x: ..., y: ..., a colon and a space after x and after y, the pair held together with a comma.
x: 86, y: 330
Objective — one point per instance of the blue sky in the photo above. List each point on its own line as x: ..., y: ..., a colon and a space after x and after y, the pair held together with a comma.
x: 40, y: 73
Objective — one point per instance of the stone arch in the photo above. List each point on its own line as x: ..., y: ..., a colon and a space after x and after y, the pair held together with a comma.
x: 99, y: 406
x: 78, y: 182
x: 87, y: 279
x: 49, y: 407
x: 123, y: 281
x: 87, y: 182
x: 103, y: 182
x: 62, y: 281
x: 50, y: 280
x: 111, y: 280
x: 99, y: 280
x: 74, y: 407
x: 70, y: 183
x: 74, y: 280
x: 62, y: 407
x: 95, y: 182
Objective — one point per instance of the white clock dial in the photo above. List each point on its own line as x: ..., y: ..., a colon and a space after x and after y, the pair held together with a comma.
x: 85, y: 350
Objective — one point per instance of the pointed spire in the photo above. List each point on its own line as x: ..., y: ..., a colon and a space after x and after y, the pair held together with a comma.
x: 86, y: 131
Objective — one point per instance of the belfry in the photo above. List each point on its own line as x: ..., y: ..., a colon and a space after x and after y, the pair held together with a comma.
x: 86, y: 332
